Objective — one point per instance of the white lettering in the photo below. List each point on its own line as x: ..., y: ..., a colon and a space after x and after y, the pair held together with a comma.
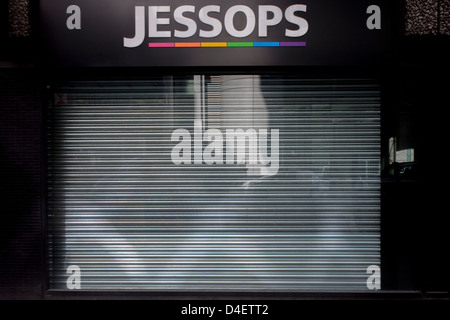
x: 244, y: 155
x: 229, y: 21
x: 139, y: 18
x: 213, y: 153
x: 300, y: 22
x: 264, y: 20
x: 190, y: 309
x: 181, y: 153
x: 247, y: 309
x: 74, y: 21
x: 198, y: 142
x: 74, y: 280
x: 243, y: 147
x: 154, y: 21
x: 264, y: 159
x: 374, y: 21
x: 189, y: 23
x: 214, y: 23
x: 374, y: 280
x: 268, y: 16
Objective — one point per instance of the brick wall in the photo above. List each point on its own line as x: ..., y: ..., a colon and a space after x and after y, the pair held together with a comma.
x: 19, y: 18
x: 427, y: 17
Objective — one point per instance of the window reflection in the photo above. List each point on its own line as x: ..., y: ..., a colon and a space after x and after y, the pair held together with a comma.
x: 401, y: 162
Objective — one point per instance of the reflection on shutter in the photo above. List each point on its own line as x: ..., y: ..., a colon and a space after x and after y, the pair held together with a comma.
x: 147, y: 189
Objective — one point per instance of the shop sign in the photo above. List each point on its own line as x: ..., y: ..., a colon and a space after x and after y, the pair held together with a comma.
x: 160, y: 33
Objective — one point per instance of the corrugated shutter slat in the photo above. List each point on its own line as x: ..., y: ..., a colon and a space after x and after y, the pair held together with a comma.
x: 131, y: 218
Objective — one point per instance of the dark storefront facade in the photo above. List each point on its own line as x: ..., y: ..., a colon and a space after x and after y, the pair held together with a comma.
x: 198, y: 149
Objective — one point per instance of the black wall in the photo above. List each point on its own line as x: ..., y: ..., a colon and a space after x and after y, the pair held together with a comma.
x: 414, y: 217
x: 20, y: 171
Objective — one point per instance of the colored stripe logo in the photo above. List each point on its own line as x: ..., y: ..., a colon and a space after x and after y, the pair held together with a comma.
x: 224, y: 44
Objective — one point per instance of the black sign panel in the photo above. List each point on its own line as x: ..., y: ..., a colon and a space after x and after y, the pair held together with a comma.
x: 216, y: 32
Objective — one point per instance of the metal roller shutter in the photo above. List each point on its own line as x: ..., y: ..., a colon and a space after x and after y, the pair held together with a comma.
x: 214, y: 183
